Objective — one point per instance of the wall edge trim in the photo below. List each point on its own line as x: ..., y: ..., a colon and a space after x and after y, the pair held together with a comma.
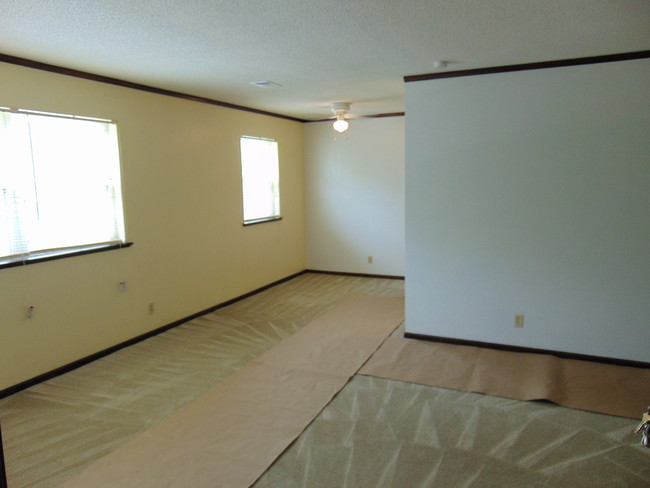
x: 376, y: 116
x: 529, y: 350
x: 28, y: 63
x: 559, y: 63
x: 358, y: 275
x: 129, y: 342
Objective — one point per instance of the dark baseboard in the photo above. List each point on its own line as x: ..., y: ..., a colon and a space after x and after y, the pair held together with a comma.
x: 358, y: 275
x: 105, y: 352
x: 506, y: 347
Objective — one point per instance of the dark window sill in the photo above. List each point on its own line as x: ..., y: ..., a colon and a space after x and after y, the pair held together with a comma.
x: 40, y: 257
x: 261, y: 221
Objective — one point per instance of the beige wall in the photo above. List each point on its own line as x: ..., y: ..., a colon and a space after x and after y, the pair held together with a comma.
x: 182, y: 199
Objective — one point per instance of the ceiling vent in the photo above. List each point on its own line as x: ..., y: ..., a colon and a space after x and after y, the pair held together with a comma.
x: 265, y: 84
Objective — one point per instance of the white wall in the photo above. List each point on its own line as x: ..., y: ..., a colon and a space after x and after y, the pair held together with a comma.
x: 354, y: 196
x: 529, y: 193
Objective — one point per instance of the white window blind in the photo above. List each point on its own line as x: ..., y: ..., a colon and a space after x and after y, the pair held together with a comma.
x: 59, y: 183
x: 260, y: 179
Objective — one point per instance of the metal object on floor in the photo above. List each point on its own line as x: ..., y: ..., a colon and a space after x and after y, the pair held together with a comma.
x: 644, y: 429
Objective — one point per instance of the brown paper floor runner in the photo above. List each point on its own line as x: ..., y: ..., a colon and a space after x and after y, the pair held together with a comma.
x: 229, y: 436
x: 56, y: 429
x: 602, y: 388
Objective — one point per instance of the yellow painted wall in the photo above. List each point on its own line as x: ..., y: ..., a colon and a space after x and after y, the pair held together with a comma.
x: 182, y: 199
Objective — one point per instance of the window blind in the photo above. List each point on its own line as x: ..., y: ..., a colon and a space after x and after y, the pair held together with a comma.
x: 60, y: 184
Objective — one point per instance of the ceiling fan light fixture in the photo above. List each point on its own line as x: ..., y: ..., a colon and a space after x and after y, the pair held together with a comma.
x: 340, y: 124
x: 340, y: 109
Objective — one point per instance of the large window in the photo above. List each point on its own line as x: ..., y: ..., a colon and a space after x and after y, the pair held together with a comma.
x: 260, y: 180
x: 60, y: 186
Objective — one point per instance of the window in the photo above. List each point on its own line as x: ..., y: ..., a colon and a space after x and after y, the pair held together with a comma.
x: 260, y: 180
x: 60, y: 189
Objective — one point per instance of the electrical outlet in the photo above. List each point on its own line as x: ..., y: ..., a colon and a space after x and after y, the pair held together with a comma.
x: 519, y: 320
x: 151, y: 307
x: 370, y: 259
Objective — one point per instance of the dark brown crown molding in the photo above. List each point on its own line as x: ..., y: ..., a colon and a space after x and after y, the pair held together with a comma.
x: 561, y: 63
x: 381, y: 116
x: 28, y: 63
x: 377, y: 116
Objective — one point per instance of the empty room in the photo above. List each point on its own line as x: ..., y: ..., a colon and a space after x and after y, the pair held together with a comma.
x: 324, y: 244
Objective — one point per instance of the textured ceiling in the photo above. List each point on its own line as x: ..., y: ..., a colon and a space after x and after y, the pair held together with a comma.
x: 318, y: 51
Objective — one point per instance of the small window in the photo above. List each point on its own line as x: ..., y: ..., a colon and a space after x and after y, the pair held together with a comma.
x: 260, y: 180
x: 60, y: 188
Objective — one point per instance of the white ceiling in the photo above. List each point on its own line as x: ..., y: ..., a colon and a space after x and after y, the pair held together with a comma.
x: 319, y: 51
